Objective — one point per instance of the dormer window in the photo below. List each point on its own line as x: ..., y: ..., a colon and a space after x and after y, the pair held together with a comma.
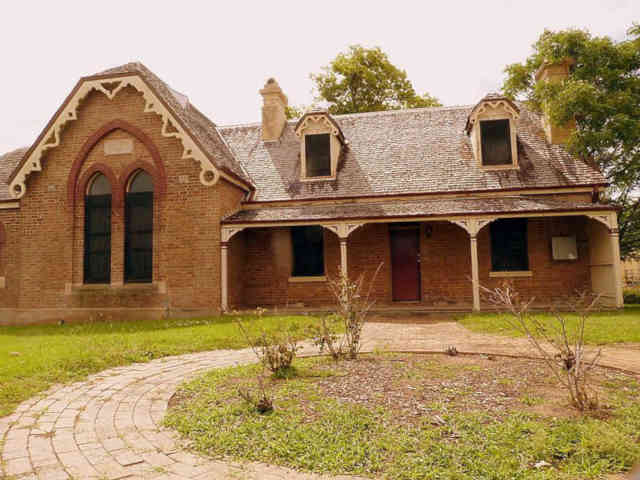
x: 317, y: 155
x: 491, y: 127
x: 321, y: 142
x: 496, y: 142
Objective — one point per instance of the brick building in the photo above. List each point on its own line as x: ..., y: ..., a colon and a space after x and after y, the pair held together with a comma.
x: 133, y: 203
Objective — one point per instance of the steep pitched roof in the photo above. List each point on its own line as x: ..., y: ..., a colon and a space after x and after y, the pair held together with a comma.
x: 202, y: 130
x: 8, y: 163
x: 405, y: 151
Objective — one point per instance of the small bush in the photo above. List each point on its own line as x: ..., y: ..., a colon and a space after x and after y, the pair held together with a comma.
x: 263, y: 403
x: 559, y: 343
x: 275, y: 350
x: 632, y: 296
x: 351, y: 309
x: 451, y: 350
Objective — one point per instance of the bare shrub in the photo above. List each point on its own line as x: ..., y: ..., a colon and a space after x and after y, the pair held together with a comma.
x: 451, y: 350
x: 326, y: 336
x: 559, y: 343
x: 263, y: 402
x: 351, y: 309
x: 275, y: 350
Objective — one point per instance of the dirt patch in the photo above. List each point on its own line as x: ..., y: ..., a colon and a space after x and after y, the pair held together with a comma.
x: 414, y: 386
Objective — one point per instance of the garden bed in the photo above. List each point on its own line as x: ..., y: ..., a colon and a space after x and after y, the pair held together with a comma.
x: 407, y: 416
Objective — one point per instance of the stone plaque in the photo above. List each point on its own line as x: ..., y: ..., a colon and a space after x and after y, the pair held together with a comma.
x: 118, y: 147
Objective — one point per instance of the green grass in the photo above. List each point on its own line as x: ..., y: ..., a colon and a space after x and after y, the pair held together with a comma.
x: 602, y: 327
x: 32, y: 358
x: 311, y: 432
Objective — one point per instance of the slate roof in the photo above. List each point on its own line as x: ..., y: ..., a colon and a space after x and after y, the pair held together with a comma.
x: 413, y: 208
x: 404, y: 151
x: 387, y: 153
x: 8, y: 162
x: 204, y: 130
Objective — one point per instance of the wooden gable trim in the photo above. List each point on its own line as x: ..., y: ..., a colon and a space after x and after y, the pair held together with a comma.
x: 50, y: 136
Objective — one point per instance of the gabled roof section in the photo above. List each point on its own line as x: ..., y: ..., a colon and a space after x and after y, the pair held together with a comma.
x: 200, y: 137
x: 318, y: 115
x: 492, y: 99
x: 401, y: 152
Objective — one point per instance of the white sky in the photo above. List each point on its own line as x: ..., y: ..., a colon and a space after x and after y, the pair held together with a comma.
x: 221, y: 53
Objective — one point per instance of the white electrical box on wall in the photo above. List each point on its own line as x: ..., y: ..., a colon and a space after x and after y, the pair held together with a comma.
x: 564, y: 248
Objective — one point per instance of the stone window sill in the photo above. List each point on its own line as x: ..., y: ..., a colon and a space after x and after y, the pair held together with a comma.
x: 116, y: 288
x: 318, y: 179
x: 320, y: 278
x: 512, y: 274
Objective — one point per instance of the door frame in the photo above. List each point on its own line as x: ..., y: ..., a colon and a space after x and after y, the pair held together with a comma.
x: 417, y: 227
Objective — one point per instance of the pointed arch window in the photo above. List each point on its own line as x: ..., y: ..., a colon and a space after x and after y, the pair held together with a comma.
x: 139, y: 228
x: 97, y: 231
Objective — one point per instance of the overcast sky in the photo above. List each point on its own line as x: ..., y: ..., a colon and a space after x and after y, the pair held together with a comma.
x: 221, y: 53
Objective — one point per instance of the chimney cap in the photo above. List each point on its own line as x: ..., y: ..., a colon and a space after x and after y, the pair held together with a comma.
x: 546, y: 64
x: 271, y: 87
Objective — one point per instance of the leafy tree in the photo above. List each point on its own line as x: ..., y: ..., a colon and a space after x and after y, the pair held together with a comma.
x: 294, y: 111
x: 364, y: 80
x: 602, y: 95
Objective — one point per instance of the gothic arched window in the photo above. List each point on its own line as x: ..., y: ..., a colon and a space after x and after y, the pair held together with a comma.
x: 139, y: 228
x: 97, y: 231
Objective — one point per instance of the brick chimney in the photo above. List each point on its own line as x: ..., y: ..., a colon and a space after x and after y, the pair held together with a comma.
x: 274, y: 117
x: 554, y: 73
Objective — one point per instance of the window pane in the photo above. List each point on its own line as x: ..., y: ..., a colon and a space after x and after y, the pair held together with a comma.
x: 100, y: 185
x: 139, y: 237
x: 318, y: 155
x: 509, y: 245
x: 308, y: 251
x: 97, y: 239
x: 141, y: 182
x: 496, y: 142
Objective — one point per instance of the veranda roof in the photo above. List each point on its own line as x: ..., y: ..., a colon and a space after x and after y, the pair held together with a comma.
x: 440, y: 207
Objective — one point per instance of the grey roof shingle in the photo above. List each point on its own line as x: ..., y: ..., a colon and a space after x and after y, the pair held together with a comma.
x: 404, y: 151
x: 8, y: 162
x: 203, y: 129
x: 413, y: 208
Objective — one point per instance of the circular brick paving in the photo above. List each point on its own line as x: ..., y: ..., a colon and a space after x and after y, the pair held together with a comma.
x: 109, y: 426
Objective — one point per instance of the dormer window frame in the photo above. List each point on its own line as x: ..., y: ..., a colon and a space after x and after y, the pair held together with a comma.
x: 319, y: 123
x: 486, y: 111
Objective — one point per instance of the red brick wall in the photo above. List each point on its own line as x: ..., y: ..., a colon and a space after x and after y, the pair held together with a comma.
x: 551, y: 279
x: 47, y: 235
x: 445, y: 265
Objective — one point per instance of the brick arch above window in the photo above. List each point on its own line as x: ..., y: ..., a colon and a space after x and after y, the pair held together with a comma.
x: 157, y: 171
x: 83, y: 183
x: 159, y: 185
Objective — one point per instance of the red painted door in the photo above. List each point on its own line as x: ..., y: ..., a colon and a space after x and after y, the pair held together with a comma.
x: 405, y: 264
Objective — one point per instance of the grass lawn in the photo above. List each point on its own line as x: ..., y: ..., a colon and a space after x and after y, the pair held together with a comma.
x: 402, y: 417
x: 602, y: 327
x: 32, y: 358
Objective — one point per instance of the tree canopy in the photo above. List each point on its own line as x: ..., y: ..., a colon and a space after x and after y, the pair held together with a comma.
x: 602, y: 94
x: 364, y: 80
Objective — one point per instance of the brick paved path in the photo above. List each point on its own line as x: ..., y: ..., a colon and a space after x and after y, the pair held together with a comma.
x: 108, y: 426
